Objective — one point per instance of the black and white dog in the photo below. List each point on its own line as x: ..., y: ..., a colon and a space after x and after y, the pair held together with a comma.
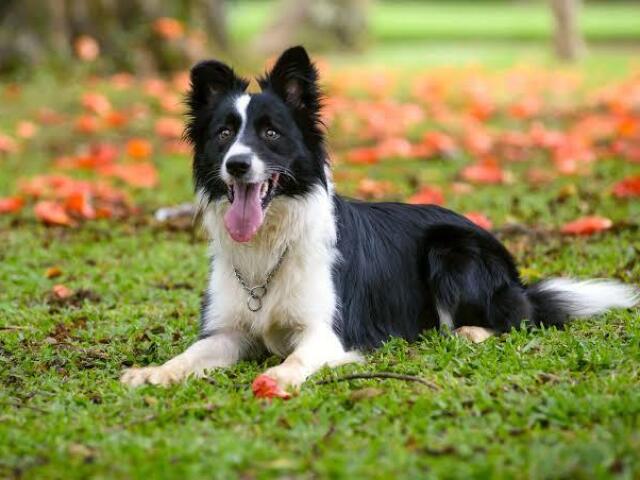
x: 305, y: 274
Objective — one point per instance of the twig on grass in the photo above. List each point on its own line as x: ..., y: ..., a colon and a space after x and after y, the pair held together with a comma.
x: 365, y: 376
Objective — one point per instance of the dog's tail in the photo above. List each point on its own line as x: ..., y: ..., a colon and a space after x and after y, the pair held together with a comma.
x: 556, y: 300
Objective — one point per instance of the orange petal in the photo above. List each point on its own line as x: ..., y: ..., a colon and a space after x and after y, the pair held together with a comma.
x: 86, y: 48
x: 53, y: 272
x: 141, y: 175
x: 427, y: 195
x: 266, y: 387
x: 168, y: 28
x: 374, y: 189
x: 587, y: 226
x: 11, y: 204
x: 363, y: 156
x: 169, y: 127
x: 483, y: 173
x: 7, y: 144
x: 86, y: 124
x: 79, y: 202
x: 96, y: 103
x: 61, y: 291
x: 628, y: 187
x: 52, y: 213
x: 139, y: 148
x: 480, y: 219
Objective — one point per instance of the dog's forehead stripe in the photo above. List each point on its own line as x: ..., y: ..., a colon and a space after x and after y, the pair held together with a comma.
x: 242, y: 103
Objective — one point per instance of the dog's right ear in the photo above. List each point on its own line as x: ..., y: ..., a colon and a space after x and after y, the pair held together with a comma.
x: 211, y: 79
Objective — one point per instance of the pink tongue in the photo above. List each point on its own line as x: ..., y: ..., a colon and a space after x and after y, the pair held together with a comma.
x: 245, y: 215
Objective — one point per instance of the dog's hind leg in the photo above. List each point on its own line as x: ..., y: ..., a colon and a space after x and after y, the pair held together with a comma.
x: 474, y: 283
x: 221, y: 349
x: 474, y: 334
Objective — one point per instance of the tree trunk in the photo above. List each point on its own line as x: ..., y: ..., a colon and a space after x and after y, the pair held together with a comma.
x: 568, y: 40
x: 33, y: 32
x: 318, y: 24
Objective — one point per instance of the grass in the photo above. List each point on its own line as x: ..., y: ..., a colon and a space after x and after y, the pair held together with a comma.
x: 527, y: 404
x: 402, y: 21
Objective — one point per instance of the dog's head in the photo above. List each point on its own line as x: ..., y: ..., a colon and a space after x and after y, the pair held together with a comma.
x: 250, y: 149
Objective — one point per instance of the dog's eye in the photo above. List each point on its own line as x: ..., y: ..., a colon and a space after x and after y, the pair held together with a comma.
x: 270, y: 134
x: 225, y: 134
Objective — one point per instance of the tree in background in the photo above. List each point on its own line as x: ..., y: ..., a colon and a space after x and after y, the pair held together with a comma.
x: 318, y: 24
x: 568, y: 40
x: 147, y: 35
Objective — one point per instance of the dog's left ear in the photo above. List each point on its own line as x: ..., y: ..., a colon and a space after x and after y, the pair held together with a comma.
x: 294, y: 78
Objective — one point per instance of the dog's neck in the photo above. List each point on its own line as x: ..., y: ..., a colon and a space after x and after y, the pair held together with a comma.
x: 305, y: 225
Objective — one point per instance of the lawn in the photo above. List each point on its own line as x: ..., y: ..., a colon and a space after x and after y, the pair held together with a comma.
x: 402, y: 21
x: 527, y: 404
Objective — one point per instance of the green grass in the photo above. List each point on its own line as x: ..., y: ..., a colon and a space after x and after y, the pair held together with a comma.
x: 527, y: 404
x: 463, y: 20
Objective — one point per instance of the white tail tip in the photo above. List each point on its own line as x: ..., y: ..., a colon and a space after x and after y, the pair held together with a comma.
x: 591, y: 297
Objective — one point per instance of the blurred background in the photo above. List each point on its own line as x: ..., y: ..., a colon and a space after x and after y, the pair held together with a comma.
x: 145, y: 36
x: 428, y: 101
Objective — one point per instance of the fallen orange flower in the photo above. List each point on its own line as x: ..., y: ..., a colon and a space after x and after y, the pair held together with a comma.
x: 86, y: 124
x: 483, y: 172
x: 374, y: 189
x: 61, y: 291
x: 11, y: 204
x: 141, y: 175
x: 427, y: 195
x: 169, y: 127
x: 96, y: 103
x: 53, y: 272
x: 7, y: 144
x: 115, y: 119
x: 168, y: 28
x: 79, y: 202
x: 26, y: 129
x: 628, y: 187
x: 138, y: 148
x: 86, y: 48
x: 52, y: 213
x: 439, y: 143
x: 363, y: 156
x: 587, y: 226
x: 480, y: 219
x: 266, y: 387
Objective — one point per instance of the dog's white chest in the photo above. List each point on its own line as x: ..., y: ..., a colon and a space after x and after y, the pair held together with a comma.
x: 295, y: 298
x: 300, y: 293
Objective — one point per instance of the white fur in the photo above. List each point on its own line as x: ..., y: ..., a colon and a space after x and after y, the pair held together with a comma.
x: 444, y: 318
x: 474, y: 334
x: 221, y: 350
x: 296, y: 318
x: 258, y: 169
x: 591, y: 297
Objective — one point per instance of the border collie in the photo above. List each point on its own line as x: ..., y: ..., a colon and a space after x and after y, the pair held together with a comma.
x: 303, y: 273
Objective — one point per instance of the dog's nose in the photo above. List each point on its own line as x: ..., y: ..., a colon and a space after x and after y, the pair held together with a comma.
x: 238, y: 165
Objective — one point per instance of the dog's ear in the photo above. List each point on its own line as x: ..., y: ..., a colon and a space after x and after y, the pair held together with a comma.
x: 294, y: 78
x: 211, y: 79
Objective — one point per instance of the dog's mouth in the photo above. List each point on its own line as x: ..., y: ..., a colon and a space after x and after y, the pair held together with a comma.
x: 248, y: 204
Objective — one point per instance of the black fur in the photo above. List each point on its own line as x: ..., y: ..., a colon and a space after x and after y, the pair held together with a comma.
x: 399, y: 261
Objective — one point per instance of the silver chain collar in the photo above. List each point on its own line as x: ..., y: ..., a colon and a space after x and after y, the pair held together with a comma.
x: 257, y: 293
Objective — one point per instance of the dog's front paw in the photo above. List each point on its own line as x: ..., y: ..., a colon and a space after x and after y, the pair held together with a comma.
x: 279, y: 381
x: 162, y: 375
